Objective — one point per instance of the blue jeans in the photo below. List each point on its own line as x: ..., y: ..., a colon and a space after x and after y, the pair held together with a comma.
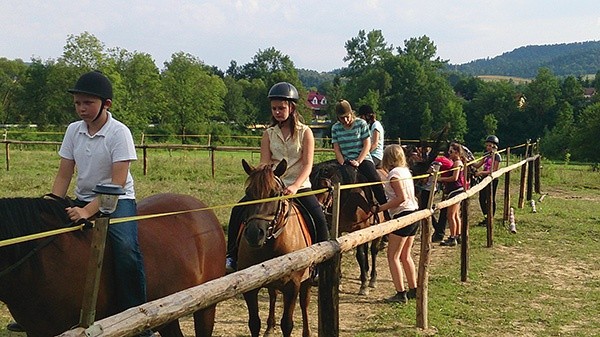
x: 130, y: 277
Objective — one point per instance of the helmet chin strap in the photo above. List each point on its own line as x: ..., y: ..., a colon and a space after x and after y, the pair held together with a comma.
x: 100, y: 112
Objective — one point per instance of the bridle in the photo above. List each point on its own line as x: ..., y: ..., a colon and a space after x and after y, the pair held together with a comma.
x: 279, y: 217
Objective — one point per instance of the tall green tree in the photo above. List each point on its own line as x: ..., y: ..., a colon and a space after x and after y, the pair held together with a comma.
x: 585, y: 144
x: 140, y: 99
x: 557, y: 142
x: 542, y: 97
x: 194, y: 96
x: 12, y: 73
x: 365, y: 51
x: 84, y: 51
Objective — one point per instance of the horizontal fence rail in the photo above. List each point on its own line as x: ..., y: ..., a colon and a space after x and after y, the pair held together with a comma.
x: 185, y: 302
x: 161, y: 311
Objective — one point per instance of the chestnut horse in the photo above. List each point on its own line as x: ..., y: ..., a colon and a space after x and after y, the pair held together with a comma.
x: 273, y: 229
x: 355, y: 213
x: 42, y: 281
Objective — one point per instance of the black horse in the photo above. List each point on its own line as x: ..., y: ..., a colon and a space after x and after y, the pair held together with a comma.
x: 355, y: 212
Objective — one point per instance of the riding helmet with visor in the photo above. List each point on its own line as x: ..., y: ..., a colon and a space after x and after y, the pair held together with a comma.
x: 93, y: 83
x: 492, y: 139
x: 283, y: 91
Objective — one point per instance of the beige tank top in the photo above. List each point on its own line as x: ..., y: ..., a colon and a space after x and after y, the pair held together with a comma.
x: 289, y: 149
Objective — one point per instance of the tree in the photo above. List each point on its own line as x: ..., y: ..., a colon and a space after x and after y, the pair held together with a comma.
x: 426, y: 125
x: 84, y: 51
x: 11, y: 77
x: 585, y: 141
x: 424, y: 50
x: 366, y: 50
x: 140, y: 98
x: 557, y: 142
x: 193, y: 95
x: 542, y: 96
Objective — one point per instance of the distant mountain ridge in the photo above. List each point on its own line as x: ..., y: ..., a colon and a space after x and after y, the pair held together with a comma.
x: 578, y: 58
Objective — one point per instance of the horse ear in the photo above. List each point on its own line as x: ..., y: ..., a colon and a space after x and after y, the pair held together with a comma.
x: 247, y: 167
x: 280, y: 169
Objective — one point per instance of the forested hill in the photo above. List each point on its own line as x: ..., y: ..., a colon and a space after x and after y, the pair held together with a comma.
x: 579, y: 58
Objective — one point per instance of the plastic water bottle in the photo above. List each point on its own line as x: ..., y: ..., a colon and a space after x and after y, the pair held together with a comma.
x: 532, y: 203
x: 511, y: 218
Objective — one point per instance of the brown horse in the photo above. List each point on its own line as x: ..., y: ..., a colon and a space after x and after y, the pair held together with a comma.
x: 273, y: 229
x: 355, y: 214
x: 42, y: 281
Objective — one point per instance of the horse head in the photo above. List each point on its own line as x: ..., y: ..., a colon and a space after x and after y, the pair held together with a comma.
x: 264, y: 182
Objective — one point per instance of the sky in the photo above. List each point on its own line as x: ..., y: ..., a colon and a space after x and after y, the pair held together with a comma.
x: 312, y: 33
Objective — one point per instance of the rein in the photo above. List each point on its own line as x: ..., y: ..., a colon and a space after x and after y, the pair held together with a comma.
x: 22, y: 260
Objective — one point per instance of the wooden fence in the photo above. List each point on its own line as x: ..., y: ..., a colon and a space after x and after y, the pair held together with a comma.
x: 328, y: 253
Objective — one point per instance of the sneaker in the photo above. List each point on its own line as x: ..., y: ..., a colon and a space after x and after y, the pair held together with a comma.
x: 230, y: 265
x: 411, y: 294
x: 450, y: 242
x: 437, y: 237
x: 400, y: 297
x: 459, y: 239
x: 15, y: 327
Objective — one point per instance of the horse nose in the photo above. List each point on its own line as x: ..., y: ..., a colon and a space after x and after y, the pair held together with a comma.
x: 254, y: 235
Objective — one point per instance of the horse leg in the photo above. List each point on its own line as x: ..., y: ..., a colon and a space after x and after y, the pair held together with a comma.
x: 204, y: 321
x: 374, y: 251
x: 271, y: 319
x: 363, y: 263
x: 290, y: 294
x: 304, y: 303
x: 251, y: 298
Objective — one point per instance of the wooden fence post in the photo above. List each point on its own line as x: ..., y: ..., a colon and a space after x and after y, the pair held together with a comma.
x: 145, y: 152
x: 90, y: 294
x: 329, y: 279
x: 425, y: 259
x: 490, y: 205
x: 464, y: 246
x: 506, y: 189
x: 7, y: 147
x: 537, y: 166
x: 211, y: 150
x: 530, y: 178
x: 523, y: 181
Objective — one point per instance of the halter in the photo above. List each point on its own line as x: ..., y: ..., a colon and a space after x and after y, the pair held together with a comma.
x: 279, y: 217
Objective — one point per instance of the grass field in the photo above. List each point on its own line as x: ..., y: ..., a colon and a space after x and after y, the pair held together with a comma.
x: 542, y: 281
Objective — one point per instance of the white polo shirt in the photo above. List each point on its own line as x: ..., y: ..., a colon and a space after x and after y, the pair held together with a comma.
x: 94, y: 155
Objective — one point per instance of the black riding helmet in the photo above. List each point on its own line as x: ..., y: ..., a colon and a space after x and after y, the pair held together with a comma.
x: 96, y: 84
x: 283, y: 90
x: 492, y: 139
x: 93, y: 83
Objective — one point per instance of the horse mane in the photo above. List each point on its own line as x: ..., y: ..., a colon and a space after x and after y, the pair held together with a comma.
x: 24, y: 216
x: 262, y: 183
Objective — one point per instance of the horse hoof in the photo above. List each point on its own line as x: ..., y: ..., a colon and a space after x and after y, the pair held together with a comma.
x: 363, y: 290
x: 373, y: 284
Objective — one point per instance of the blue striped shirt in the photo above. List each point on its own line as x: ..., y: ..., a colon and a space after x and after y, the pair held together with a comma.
x: 351, y: 140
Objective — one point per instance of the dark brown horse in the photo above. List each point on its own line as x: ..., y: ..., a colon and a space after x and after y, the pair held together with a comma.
x: 273, y: 229
x: 42, y: 281
x: 355, y: 213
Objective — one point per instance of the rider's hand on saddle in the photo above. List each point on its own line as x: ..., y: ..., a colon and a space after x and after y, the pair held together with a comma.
x: 77, y: 213
x: 290, y: 190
